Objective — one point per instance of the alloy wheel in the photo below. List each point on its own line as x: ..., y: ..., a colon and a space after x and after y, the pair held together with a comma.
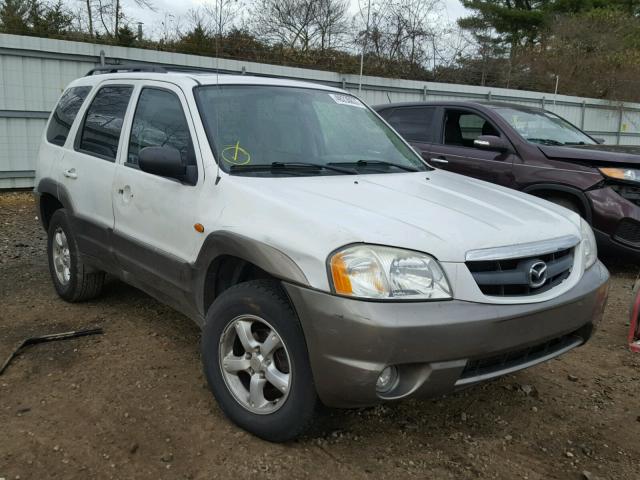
x: 255, y: 364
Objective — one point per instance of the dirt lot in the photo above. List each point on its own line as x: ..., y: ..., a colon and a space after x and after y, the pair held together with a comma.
x: 133, y: 402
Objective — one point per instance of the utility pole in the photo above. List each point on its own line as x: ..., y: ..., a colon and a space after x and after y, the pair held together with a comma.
x: 364, y: 46
x: 555, y: 93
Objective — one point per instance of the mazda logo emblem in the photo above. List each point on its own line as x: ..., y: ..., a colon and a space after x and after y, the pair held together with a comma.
x: 537, y: 274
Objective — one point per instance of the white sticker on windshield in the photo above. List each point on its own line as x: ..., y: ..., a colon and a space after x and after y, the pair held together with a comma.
x: 346, y: 100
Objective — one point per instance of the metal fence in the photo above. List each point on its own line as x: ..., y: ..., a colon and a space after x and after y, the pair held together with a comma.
x: 34, y: 71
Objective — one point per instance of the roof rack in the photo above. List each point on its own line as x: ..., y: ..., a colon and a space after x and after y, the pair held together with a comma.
x: 135, y: 67
x: 131, y: 67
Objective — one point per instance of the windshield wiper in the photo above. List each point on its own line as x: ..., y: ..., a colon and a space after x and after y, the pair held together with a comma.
x: 545, y: 141
x: 365, y: 163
x: 275, y: 166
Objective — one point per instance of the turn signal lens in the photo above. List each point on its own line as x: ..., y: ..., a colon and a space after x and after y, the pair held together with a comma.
x: 341, y: 281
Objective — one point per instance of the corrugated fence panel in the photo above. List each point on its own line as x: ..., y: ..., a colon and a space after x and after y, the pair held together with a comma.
x: 34, y: 71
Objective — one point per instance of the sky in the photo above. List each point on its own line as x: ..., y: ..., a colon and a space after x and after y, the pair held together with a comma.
x: 152, y: 20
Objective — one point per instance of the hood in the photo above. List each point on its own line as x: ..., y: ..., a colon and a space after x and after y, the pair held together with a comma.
x: 618, y: 154
x: 437, y: 212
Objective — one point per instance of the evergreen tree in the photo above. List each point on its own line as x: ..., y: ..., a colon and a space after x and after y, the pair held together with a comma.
x: 13, y: 16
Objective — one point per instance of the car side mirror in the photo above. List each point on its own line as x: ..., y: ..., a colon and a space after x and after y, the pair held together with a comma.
x: 599, y: 140
x: 491, y: 142
x: 162, y: 161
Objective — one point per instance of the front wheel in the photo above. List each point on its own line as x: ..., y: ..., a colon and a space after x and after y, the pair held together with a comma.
x: 256, y: 362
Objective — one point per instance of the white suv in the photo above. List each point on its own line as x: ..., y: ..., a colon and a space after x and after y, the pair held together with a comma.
x: 322, y: 257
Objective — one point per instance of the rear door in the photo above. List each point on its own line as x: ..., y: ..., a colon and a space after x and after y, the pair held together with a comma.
x: 155, y: 239
x: 416, y: 125
x: 455, y: 151
x: 87, y: 170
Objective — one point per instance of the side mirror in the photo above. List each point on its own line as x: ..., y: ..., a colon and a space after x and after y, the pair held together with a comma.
x: 599, y: 140
x: 162, y: 161
x: 490, y: 142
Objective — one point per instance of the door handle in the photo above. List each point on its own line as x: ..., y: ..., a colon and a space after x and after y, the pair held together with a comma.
x: 70, y: 173
x: 126, y: 193
x: 439, y: 160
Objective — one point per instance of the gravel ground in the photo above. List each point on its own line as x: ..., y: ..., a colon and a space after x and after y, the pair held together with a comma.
x: 134, y: 403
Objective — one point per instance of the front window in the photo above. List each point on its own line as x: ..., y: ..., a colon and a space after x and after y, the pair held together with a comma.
x: 271, y: 130
x: 544, y: 128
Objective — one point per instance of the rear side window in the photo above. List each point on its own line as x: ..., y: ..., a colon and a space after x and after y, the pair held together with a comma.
x: 65, y: 113
x: 413, y: 123
x: 100, y: 132
x: 159, y: 121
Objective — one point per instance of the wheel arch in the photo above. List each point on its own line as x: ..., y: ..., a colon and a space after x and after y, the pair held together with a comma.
x: 228, y: 258
x: 545, y: 190
x: 51, y: 196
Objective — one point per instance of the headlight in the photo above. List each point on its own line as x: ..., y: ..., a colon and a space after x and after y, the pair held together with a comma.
x: 588, y: 244
x: 372, y: 271
x: 627, y: 174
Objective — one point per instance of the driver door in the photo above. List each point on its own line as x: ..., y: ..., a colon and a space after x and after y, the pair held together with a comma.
x: 155, y: 239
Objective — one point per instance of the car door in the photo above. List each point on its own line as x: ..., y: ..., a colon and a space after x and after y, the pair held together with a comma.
x: 154, y: 235
x: 416, y: 125
x: 455, y: 150
x: 87, y: 170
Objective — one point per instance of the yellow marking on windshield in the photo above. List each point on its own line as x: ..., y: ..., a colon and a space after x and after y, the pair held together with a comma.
x: 235, y: 154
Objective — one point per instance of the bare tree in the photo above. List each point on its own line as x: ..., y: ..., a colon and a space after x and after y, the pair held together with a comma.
x: 111, y: 13
x: 331, y: 22
x: 89, y: 7
x: 223, y: 14
x: 400, y: 30
x: 301, y: 24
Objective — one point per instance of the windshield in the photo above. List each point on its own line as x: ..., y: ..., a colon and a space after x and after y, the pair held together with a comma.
x: 544, y: 127
x: 271, y: 130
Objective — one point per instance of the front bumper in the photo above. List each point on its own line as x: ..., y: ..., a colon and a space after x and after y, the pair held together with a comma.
x: 437, y: 346
x: 616, y: 222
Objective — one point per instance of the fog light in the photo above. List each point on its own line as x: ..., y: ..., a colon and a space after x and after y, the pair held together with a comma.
x: 387, y: 379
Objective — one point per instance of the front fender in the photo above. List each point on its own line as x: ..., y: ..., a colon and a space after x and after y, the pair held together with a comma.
x: 268, y: 258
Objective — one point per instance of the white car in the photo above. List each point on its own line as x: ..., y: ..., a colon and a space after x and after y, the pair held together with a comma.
x: 323, y: 258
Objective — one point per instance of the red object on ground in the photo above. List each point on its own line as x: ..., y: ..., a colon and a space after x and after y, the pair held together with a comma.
x: 634, y: 327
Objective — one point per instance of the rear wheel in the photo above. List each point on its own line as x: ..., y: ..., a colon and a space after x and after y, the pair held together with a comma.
x: 73, y: 280
x: 256, y: 362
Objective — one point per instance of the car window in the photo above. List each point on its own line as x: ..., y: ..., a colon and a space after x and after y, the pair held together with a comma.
x: 546, y: 128
x: 159, y: 121
x: 100, y: 132
x: 65, y: 113
x: 462, y: 128
x: 413, y: 123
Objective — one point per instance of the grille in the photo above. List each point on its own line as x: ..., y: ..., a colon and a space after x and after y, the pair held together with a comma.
x: 504, y: 278
x: 514, y: 358
x: 628, y: 231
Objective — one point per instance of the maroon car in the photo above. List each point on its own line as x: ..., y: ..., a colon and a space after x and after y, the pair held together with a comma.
x: 531, y: 150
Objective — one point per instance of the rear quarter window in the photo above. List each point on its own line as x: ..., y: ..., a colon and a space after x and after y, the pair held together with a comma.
x: 65, y: 113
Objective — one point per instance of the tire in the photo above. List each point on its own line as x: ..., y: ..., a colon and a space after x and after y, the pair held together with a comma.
x: 73, y: 280
x: 257, y: 308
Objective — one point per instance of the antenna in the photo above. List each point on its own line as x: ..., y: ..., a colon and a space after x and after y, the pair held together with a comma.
x: 218, y: 38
